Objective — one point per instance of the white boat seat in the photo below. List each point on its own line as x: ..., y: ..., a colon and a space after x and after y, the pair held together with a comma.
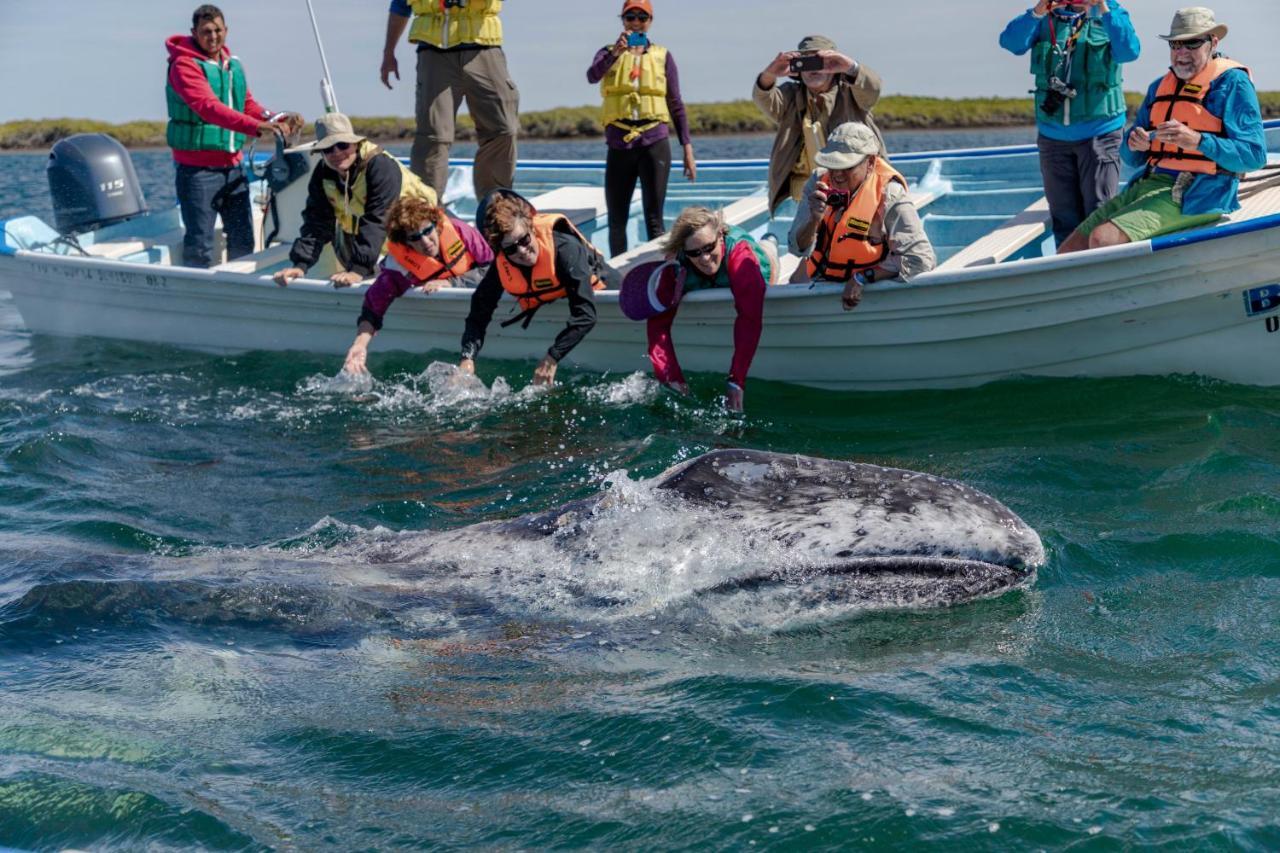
x: 250, y: 264
x: 578, y: 204
x: 1009, y: 237
x: 1260, y: 203
x: 116, y: 249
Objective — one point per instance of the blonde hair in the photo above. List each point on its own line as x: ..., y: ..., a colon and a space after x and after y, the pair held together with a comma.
x: 690, y: 221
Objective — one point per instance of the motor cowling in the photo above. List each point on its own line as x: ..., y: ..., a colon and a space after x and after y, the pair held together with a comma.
x: 93, y: 183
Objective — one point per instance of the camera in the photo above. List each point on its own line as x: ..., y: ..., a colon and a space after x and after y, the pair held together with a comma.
x: 637, y: 40
x: 838, y: 199
x: 1057, y: 94
x: 455, y: 4
x: 806, y: 62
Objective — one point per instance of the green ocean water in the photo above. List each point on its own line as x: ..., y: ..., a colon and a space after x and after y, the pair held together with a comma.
x: 202, y: 647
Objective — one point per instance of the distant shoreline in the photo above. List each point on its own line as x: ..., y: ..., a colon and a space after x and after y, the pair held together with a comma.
x: 894, y: 112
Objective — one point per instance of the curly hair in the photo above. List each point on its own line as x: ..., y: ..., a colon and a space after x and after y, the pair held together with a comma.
x: 501, y: 215
x: 407, y: 213
x: 691, y: 220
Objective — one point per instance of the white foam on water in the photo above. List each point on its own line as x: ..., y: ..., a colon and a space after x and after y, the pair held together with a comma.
x: 633, y: 390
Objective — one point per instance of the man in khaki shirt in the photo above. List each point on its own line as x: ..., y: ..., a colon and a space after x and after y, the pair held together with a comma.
x: 808, y: 106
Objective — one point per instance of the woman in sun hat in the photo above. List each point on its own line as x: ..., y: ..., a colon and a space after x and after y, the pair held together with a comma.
x: 351, y: 189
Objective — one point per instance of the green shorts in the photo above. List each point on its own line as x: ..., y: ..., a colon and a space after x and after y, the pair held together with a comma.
x: 1145, y: 210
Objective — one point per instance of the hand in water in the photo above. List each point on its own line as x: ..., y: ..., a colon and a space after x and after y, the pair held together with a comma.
x: 545, y: 373
x: 355, y: 363
x: 733, y: 397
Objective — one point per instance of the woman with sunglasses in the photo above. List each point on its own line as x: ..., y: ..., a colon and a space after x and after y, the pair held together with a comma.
x: 426, y: 250
x: 348, y: 197
x: 641, y: 89
x: 539, y: 259
x: 708, y: 253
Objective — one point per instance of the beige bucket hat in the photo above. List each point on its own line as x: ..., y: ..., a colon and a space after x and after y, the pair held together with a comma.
x: 1194, y: 22
x: 847, y: 146
x: 331, y: 128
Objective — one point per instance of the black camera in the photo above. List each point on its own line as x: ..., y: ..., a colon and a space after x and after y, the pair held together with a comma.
x: 1057, y: 94
x: 806, y: 62
x: 838, y: 199
x: 455, y: 4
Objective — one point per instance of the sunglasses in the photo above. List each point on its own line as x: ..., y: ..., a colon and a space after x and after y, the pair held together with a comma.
x: 427, y: 231
x: 337, y: 146
x: 1187, y: 44
x: 631, y: 17
x: 522, y: 243
x: 705, y: 250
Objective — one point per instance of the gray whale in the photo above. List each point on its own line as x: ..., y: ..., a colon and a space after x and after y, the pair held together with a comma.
x: 832, y: 530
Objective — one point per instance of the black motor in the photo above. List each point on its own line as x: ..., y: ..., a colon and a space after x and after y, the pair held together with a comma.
x: 93, y: 184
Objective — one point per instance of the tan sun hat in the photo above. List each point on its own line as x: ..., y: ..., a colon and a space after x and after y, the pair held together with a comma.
x: 847, y: 146
x: 1194, y: 22
x: 331, y: 128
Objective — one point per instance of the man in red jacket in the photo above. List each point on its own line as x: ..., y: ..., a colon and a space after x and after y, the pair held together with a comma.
x: 210, y: 113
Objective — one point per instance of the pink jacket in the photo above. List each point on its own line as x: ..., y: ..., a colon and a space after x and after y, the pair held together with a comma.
x: 746, y: 280
x: 192, y: 86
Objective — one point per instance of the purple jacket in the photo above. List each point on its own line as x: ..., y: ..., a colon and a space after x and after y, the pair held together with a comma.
x: 613, y: 136
x: 391, y: 284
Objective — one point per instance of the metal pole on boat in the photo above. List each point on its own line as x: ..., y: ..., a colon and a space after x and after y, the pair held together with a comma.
x: 326, y: 85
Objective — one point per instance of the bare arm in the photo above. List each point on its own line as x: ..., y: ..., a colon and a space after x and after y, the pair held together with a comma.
x: 396, y: 25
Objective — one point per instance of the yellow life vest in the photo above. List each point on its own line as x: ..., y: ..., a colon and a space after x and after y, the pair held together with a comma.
x: 1184, y: 101
x: 635, y: 92
x: 475, y: 23
x: 349, y: 202
x: 843, y: 245
x: 454, y: 258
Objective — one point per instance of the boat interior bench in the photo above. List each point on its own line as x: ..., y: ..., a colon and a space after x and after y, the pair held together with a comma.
x: 1015, y: 233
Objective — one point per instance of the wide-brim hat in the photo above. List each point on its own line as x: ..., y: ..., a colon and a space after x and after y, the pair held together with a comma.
x: 815, y: 43
x: 638, y: 297
x: 1194, y: 22
x: 847, y: 146
x: 331, y: 128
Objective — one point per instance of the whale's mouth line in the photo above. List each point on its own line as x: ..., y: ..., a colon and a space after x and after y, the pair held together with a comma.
x: 964, y: 569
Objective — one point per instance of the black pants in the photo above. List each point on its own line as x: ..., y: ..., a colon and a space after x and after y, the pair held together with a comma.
x: 652, y: 165
x: 204, y: 194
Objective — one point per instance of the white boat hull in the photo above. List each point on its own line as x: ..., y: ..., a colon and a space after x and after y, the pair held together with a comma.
x: 1132, y: 310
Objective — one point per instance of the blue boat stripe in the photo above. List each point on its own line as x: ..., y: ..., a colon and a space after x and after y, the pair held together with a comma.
x: 1172, y: 241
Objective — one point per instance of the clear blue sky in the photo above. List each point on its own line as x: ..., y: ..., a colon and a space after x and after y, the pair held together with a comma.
x: 105, y: 59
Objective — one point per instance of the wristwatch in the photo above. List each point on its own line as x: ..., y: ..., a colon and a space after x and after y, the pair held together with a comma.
x: 869, y: 275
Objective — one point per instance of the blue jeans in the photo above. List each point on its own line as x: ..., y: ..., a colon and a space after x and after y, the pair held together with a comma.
x: 205, y: 194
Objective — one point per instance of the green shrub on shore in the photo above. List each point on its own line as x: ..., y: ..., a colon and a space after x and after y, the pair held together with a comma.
x: 894, y: 112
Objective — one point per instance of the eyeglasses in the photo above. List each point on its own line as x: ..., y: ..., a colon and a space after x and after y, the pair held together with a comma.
x: 1187, y: 44
x: 336, y: 147
x: 632, y: 17
x: 522, y: 243
x: 426, y: 231
x: 705, y: 250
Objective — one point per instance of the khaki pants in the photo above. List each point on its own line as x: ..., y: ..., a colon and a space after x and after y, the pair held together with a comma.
x: 480, y: 77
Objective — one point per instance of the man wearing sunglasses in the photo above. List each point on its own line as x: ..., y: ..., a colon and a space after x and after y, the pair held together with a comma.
x: 460, y: 59
x: 1076, y: 50
x: 1198, y: 131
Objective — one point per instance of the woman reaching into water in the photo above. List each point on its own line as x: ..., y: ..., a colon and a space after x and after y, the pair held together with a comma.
x: 426, y: 250
x: 704, y: 252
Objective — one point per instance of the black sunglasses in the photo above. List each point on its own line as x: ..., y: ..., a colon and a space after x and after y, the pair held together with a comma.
x: 522, y: 243
x: 1188, y: 44
x: 337, y: 146
x: 635, y: 16
x: 705, y: 250
x: 427, y: 231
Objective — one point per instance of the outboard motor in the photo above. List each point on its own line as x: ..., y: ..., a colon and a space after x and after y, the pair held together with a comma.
x: 92, y: 182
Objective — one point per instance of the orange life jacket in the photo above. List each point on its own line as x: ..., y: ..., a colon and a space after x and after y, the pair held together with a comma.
x: 456, y: 258
x: 542, y: 285
x: 843, y: 245
x: 1183, y: 100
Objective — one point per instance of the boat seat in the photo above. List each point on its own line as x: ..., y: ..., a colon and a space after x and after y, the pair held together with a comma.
x: 578, y: 204
x: 116, y: 249
x: 1260, y: 203
x: 250, y: 264
x: 1009, y: 237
